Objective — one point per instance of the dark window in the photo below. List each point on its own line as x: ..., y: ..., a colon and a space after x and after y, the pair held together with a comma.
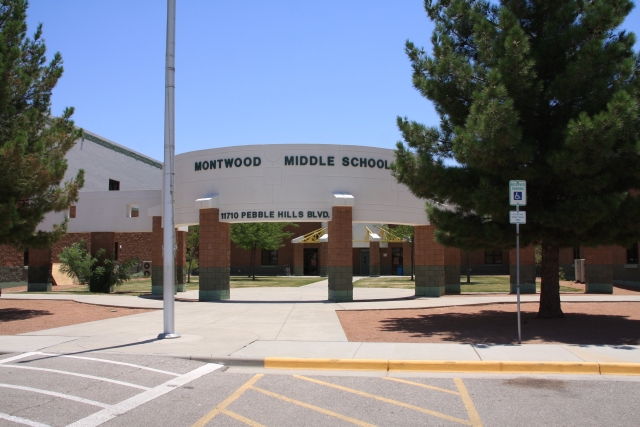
x: 114, y: 185
x: 576, y: 253
x: 632, y: 254
x: 26, y: 257
x: 493, y: 256
x: 115, y: 251
x: 269, y: 257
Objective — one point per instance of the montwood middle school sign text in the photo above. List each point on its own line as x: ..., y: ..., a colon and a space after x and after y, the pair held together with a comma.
x: 239, y: 162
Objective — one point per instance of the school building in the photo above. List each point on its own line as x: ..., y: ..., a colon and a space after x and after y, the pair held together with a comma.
x: 343, y: 198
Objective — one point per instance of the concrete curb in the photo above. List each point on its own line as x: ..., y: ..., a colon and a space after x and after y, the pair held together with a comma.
x: 437, y: 366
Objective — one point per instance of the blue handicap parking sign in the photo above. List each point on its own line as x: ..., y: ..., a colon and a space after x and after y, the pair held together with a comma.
x: 517, y: 195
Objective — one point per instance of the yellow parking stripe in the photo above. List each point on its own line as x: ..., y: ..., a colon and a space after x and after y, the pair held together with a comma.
x: 228, y: 401
x: 384, y: 399
x: 242, y: 419
x: 313, y: 407
x: 444, y: 390
x: 468, y: 403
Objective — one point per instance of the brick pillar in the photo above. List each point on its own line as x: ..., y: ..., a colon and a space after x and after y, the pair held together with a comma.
x: 215, y: 256
x: 598, y: 269
x: 156, y: 256
x: 527, y: 270
x: 39, y: 274
x: 429, y: 263
x: 452, y: 271
x: 374, y: 259
x: 339, y: 267
x: 406, y: 259
x: 324, y: 258
x: 298, y: 259
x: 181, y: 261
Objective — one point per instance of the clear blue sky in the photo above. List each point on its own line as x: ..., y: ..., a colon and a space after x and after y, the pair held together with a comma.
x: 247, y: 71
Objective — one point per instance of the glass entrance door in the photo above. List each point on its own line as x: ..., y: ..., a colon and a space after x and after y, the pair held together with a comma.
x: 364, y: 262
x: 311, y: 261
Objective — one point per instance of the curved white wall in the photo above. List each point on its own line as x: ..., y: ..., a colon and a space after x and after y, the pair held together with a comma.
x: 258, y: 183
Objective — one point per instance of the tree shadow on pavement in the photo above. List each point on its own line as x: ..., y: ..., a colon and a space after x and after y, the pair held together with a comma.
x: 500, y: 327
x: 11, y: 314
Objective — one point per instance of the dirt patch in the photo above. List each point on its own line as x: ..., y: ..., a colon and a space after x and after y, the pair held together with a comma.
x: 612, y: 323
x: 21, y: 316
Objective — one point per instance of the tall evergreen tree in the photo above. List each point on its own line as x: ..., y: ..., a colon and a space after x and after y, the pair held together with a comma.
x: 32, y: 142
x: 542, y: 91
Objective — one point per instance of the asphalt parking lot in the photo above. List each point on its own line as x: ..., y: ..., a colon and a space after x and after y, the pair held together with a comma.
x: 91, y: 389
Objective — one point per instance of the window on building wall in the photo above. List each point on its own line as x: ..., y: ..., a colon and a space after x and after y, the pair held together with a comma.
x: 493, y: 256
x: 133, y: 211
x: 114, y: 185
x: 576, y: 253
x: 632, y: 254
x: 72, y: 211
x: 269, y: 257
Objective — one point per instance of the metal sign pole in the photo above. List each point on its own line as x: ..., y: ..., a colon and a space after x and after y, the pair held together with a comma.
x: 518, y: 273
x: 168, y: 238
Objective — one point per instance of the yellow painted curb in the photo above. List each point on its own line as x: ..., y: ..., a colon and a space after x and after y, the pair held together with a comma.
x: 454, y: 366
x: 620, y: 368
x: 334, y: 364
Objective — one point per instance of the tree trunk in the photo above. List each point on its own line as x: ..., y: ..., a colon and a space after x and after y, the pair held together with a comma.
x: 189, y: 272
x: 550, y: 288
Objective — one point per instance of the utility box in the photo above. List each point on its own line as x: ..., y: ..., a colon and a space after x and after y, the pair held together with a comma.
x: 146, y: 268
x: 579, y: 270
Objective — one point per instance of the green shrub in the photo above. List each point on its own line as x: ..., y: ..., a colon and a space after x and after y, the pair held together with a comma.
x: 561, y: 275
x: 110, y: 273
x: 77, y: 262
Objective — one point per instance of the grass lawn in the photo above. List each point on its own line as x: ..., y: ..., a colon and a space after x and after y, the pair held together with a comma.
x: 478, y: 283
x: 143, y: 286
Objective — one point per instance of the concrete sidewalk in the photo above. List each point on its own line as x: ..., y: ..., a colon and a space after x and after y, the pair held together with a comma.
x: 259, y: 323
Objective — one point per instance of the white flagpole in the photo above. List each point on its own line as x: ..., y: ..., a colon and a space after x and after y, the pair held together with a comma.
x: 168, y: 238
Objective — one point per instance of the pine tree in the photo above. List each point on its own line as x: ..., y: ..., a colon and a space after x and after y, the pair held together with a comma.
x: 542, y: 91
x: 32, y: 142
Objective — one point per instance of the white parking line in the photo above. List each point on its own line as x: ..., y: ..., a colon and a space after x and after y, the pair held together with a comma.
x: 110, y: 361
x: 21, y: 420
x: 55, y: 394
x: 142, y: 398
x: 18, y: 357
x: 55, y: 371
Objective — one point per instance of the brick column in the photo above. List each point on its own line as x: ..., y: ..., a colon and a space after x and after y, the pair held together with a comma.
x: 156, y: 255
x: 339, y: 267
x: 406, y: 259
x: 298, y: 259
x: 452, y: 271
x: 215, y: 256
x: 598, y: 269
x: 527, y: 270
x: 181, y: 261
x: 324, y: 258
x: 429, y: 263
x: 39, y: 274
x: 374, y: 259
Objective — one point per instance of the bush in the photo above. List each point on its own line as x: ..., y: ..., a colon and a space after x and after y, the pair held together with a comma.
x: 77, y: 262
x: 110, y: 273
x: 561, y: 275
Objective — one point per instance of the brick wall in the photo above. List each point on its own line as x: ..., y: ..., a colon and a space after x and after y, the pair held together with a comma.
x: 429, y: 263
x: 10, y: 256
x: 68, y: 240
x: 214, y: 261
x: 11, y: 265
x: 340, y: 265
x: 135, y: 245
